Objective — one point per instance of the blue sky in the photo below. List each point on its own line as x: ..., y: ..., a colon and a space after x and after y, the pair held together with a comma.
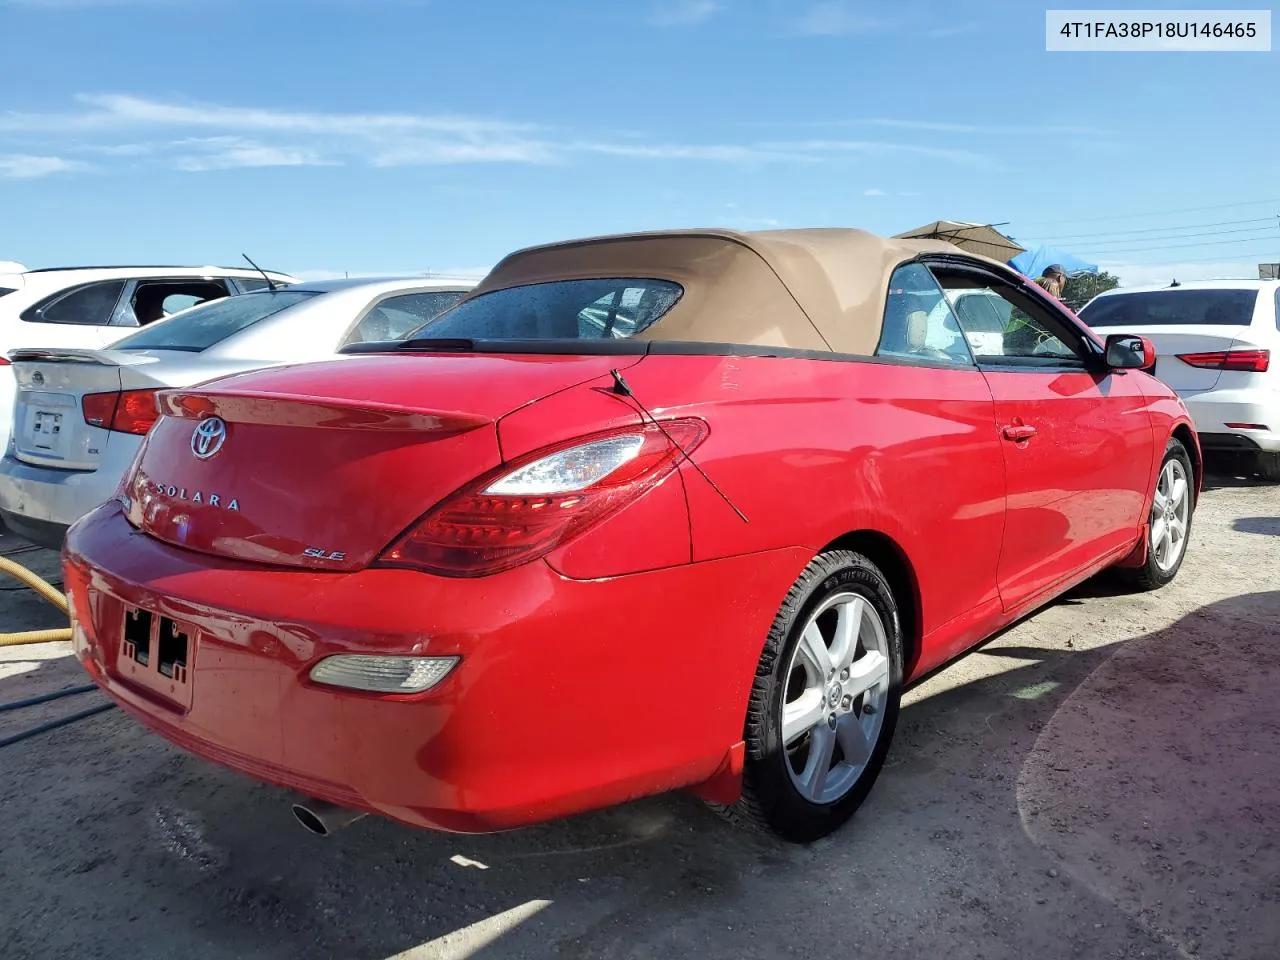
x: 409, y: 135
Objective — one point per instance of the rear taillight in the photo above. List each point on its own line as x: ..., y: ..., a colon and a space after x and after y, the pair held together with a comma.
x: 130, y: 411
x: 526, y: 509
x: 1250, y: 361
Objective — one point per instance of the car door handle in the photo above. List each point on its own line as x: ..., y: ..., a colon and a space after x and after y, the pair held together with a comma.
x: 1018, y: 432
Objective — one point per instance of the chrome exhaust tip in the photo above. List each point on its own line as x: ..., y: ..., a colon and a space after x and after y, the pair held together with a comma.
x: 322, y: 817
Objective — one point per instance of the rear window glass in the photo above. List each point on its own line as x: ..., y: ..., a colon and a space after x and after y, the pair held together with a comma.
x: 1172, y: 308
x: 4, y: 290
x: 614, y: 308
x: 201, y: 327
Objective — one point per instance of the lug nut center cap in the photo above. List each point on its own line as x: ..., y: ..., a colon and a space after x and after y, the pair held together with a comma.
x: 834, y: 695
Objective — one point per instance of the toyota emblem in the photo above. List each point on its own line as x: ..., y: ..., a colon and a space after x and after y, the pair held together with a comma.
x: 208, y: 437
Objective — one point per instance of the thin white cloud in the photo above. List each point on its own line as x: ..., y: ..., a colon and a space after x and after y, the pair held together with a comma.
x: 229, y: 153
x: 142, y: 131
x: 382, y: 139
x: 950, y: 154
x: 874, y: 192
x: 684, y: 13
x: 25, y: 166
x: 939, y: 126
x: 121, y: 110
x: 833, y: 18
x: 420, y: 152
x: 85, y: 4
x: 933, y: 126
x: 723, y: 153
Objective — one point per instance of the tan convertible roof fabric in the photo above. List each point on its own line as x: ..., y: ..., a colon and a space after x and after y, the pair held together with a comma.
x: 815, y: 289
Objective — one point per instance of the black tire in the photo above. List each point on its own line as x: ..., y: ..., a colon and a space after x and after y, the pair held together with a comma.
x: 1269, y: 467
x: 1149, y: 576
x: 770, y: 800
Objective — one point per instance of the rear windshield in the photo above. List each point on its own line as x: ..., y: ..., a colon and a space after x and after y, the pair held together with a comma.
x: 613, y: 308
x: 201, y: 327
x: 1172, y: 308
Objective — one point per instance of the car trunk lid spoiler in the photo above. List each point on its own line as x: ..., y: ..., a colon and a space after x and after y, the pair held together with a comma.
x: 298, y: 410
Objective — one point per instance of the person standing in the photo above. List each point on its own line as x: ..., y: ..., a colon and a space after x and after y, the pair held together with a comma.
x: 1053, y: 280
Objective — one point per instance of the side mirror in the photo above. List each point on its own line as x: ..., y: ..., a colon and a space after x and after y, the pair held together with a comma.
x: 1127, y: 352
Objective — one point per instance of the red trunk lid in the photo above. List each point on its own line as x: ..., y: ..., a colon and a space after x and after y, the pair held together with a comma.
x: 323, y: 465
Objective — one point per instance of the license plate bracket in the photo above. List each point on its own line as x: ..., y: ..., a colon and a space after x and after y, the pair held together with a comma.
x: 157, y: 653
x: 46, y: 430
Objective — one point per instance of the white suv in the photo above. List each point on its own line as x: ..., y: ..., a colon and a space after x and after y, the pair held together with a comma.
x: 90, y: 307
x: 1217, y: 344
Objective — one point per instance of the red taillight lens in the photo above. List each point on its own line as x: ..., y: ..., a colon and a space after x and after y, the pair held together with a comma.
x: 525, y: 510
x: 130, y: 411
x: 1250, y: 361
x: 99, y: 408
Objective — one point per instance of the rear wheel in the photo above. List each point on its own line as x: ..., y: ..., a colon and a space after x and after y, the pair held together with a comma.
x: 825, y: 700
x: 1269, y: 466
x: 1169, y: 528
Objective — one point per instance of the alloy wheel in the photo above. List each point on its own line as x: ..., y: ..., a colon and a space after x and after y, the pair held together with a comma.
x: 837, y: 684
x: 1170, y: 515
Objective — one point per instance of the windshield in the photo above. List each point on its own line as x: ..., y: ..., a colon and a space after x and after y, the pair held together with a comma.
x: 200, y: 327
x: 613, y: 308
x: 1172, y: 308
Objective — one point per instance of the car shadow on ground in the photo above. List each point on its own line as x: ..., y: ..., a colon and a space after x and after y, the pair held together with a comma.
x: 1265, y: 526
x: 111, y: 835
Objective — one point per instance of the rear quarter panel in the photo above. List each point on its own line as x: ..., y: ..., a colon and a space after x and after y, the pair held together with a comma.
x: 812, y: 450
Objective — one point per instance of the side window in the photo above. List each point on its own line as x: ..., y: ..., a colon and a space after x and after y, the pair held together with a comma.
x: 396, y: 317
x: 918, y: 320
x: 155, y: 300
x: 1026, y: 329
x: 90, y: 305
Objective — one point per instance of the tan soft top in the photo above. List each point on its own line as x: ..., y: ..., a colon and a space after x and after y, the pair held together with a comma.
x: 811, y: 289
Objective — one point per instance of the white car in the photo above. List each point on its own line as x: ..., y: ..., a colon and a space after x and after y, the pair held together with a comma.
x: 1216, y: 343
x: 89, y: 307
x: 81, y: 415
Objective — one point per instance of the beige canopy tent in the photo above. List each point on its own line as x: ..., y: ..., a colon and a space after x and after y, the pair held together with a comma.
x: 980, y: 238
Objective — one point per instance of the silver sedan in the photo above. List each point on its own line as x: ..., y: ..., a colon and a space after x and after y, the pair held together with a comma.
x: 80, y: 415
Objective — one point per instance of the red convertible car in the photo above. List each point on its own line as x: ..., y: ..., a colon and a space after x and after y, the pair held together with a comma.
x: 644, y: 512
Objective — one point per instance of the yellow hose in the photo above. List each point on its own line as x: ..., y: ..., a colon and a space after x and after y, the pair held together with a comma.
x: 46, y: 590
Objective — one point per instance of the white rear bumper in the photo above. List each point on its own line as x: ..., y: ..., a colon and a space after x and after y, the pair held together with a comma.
x: 1214, y: 410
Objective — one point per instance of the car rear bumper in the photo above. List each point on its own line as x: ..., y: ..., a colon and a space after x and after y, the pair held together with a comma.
x: 42, y: 533
x: 50, y: 498
x: 1213, y: 412
x: 569, y: 695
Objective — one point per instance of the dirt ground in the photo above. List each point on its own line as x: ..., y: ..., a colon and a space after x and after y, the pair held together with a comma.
x: 1101, y: 781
